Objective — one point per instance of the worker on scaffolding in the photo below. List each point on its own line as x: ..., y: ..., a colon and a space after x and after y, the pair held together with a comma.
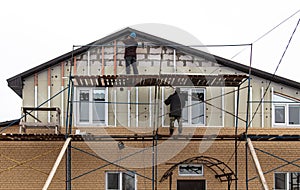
x: 176, y: 103
x: 130, y: 53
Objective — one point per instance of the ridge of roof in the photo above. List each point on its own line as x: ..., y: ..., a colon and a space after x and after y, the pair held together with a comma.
x: 16, y: 82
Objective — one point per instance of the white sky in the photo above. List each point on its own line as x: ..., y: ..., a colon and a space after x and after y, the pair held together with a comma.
x: 33, y: 31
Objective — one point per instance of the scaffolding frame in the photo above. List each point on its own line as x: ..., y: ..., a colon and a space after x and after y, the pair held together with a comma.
x: 157, y: 81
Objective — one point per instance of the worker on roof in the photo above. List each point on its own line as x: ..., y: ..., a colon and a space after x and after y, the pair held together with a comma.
x: 130, y: 53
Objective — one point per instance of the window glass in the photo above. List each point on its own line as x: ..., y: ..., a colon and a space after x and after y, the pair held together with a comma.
x: 294, y: 180
x: 185, y: 110
x: 281, y: 99
x: 84, y: 105
x: 280, y: 181
x: 190, y: 170
x: 128, y: 182
x: 92, y: 106
x: 193, y: 113
x: 197, y: 106
x: 113, y: 181
x: 98, y: 106
x: 120, y: 180
x: 294, y: 114
x: 279, y: 114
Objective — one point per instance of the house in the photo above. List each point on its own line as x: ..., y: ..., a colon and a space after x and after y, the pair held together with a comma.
x: 118, y: 122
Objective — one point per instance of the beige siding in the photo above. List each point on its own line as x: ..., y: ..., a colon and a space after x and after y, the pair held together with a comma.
x: 149, y: 63
x: 28, y: 92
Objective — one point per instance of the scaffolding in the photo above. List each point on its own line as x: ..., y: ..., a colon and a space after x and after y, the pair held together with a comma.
x: 159, y: 80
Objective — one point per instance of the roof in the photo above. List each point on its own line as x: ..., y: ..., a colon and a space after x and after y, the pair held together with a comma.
x: 16, y: 82
x: 9, y: 123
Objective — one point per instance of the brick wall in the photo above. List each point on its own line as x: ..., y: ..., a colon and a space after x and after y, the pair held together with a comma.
x: 26, y: 165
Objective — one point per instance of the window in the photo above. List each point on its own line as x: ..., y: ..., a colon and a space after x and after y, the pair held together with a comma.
x: 279, y: 114
x: 294, y: 113
x: 287, y: 181
x: 190, y: 170
x: 286, y: 111
x: 193, y: 112
x: 120, y: 180
x: 280, y: 180
x: 92, y: 106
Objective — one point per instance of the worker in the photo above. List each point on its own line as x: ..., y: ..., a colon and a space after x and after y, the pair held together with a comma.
x: 130, y: 53
x: 176, y: 103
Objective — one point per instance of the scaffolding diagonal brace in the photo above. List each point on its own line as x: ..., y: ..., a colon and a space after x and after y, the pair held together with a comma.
x: 56, y: 164
x: 257, y: 165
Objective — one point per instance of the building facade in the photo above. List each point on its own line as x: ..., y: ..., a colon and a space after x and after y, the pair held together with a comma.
x: 119, y: 122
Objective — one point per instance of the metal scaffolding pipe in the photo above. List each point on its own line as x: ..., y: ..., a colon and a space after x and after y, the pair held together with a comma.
x: 56, y: 164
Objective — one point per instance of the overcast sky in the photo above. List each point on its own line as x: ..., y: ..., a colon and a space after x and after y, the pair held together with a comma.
x: 33, y: 31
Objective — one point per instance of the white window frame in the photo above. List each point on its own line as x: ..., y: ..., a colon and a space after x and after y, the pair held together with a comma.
x: 190, y: 90
x: 191, y: 165
x: 287, y: 180
x: 77, y: 109
x: 120, y: 179
x: 286, y: 104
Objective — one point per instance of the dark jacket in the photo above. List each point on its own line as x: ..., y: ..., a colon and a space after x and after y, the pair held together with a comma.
x: 130, y: 47
x: 176, y: 103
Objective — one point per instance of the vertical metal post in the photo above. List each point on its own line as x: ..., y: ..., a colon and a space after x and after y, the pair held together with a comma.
x: 170, y: 182
x: 236, y: 132
x: 69, y: 150
x: 69, y: 118
x: 68, y: 168
x: 154, y: 136
x: 247, y: 118
x: 155, y: 126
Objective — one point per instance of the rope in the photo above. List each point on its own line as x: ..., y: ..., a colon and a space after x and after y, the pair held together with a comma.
x: 268, y: 32
x: 273, y: 76
x: 27, y: 161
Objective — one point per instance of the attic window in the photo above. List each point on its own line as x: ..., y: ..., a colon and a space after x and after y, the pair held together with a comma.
x: 286, y: 111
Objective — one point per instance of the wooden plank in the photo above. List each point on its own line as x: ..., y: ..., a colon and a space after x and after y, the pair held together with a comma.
x: 56, y: 164
x: 257, y: 165
x: 162, y: 80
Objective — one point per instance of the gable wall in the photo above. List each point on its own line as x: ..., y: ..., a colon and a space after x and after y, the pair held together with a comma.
x: 109, y: 60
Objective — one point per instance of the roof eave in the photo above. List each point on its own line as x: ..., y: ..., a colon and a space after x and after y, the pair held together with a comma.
x: 16, y: 82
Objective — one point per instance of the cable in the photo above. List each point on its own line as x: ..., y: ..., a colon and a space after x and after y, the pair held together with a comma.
x: 234, y: 152
x: 262, y: 36
x: 273, y: 76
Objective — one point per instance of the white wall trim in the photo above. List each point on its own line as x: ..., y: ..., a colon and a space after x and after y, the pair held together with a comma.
x: 136, y: 106
x: 128, y: 107
x: 115, y: 107
x: 223, y: 106
x: 150, y: 106
x: 262, y: 108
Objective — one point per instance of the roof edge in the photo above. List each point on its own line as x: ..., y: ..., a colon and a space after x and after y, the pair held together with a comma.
x: 16, y: 82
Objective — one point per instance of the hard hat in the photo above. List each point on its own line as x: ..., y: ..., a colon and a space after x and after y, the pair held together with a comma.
x: 133, y: 35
